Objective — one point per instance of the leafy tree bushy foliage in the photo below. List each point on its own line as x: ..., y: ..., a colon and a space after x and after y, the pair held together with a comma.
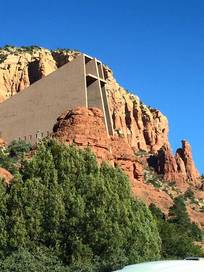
x: 13, y: 154
x: 63, y: 204
x: 41, y: 260
x: 178, y: 215
x: 178, y: 234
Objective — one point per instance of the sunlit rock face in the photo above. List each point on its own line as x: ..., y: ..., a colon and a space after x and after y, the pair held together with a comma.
x: 20, y: 67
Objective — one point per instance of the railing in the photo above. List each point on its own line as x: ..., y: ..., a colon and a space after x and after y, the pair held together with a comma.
x: 36, y: 137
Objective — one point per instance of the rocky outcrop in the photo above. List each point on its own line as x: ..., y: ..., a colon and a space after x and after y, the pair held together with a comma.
x: 6, y: 175
x: 143, y: 127
x: 179, y: 168
x: 124, y: 157
x: 164, y: 163
x: 185, y: 154
x: 85, y: 127
x: 2, y: 143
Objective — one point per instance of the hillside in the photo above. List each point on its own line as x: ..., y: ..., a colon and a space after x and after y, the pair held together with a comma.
x: 140, y: 145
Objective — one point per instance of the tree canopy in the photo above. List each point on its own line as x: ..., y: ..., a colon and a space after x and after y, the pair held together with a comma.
x: 177, y: 233
x: 83, y: 213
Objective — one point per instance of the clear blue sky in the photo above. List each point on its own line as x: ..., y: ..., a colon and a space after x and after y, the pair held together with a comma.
x: 155, y: 48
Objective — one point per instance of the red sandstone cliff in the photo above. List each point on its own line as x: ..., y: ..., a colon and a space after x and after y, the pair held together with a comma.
x: 143, y: 127
x: 85, y: 127
x: 179, y: 168
x: 138, y: 128
x: 146, y: 129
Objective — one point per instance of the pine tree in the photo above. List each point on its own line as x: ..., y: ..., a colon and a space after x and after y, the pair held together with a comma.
x: 85, y: 213
x: 178, y: 213
x: 3, y: 216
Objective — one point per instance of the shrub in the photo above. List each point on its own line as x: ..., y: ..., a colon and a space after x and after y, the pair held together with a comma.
x: 178, y: 215
x: 176, y: 243
x: 17, y: 149
x: 178, y: 235
x: 23, y: 261
x: 13, y: 154
x: 189, y: 194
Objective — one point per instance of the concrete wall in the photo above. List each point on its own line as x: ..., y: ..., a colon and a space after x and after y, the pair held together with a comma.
x: 31, y: 114
x: 38, y: 107
x: 96, y: 93
x: 109, y: 121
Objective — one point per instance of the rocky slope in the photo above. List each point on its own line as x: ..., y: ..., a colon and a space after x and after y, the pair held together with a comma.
x: 140, y: 144
x: 85, y: 128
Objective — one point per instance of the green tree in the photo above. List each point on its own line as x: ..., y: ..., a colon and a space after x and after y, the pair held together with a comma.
x: 156, y: 212
x: 85, y: 213
x: 177, y: 242
x: 17, y: 149
x: 23, y: 260
x: 3, y: 217
x: 11, y: 156
x: 18, y: 236
x: 178, y: 215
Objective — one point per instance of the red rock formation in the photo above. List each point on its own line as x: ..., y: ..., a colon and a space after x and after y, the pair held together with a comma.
x: 124, y: 157
x: 179, y: 168
x: 85, y: 127
x: 185, y: 153
x: 164, y: 163
x: 2, y: 143
x: 142, y: 127
x: 6, y: 175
